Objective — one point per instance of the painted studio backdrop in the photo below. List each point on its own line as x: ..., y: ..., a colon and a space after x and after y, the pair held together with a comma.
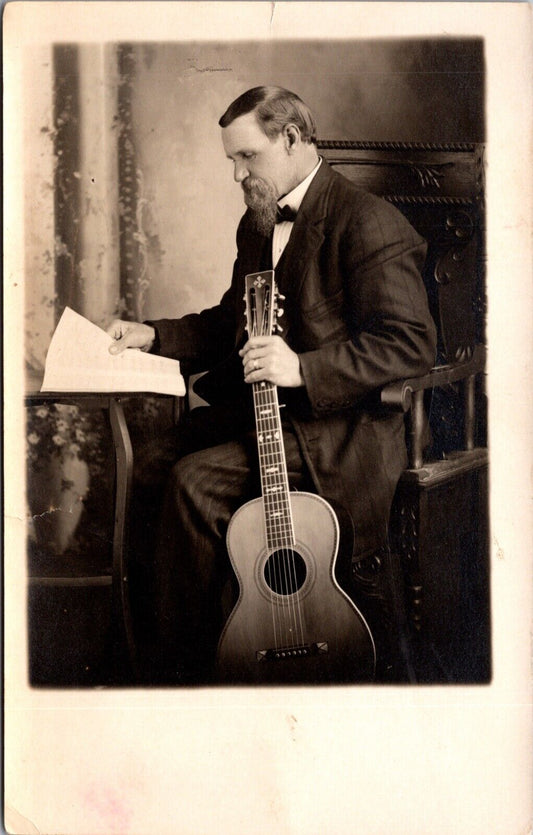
x: 131, y: 208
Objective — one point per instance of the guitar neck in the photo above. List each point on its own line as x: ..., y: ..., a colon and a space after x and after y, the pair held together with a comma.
x: 273, y: 467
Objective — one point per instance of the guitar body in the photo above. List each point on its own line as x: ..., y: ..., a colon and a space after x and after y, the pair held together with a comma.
x: 292, y: 623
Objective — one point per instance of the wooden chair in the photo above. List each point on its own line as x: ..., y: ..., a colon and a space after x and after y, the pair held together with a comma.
x: 439, y: 521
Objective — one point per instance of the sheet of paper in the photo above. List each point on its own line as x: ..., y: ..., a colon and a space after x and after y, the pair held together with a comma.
x: 78, y: 359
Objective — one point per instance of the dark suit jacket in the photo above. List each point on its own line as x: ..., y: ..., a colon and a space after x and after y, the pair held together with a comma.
x: 356, y: 312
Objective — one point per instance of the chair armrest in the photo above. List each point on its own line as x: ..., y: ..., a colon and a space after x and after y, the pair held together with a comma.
x: 398, y: 395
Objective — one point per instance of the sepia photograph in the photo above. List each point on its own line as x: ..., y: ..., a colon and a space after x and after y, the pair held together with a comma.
x: 255, y: 403
x: 378, y: 345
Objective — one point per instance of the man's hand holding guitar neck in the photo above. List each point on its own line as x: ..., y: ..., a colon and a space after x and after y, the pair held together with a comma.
x: 270, y: 358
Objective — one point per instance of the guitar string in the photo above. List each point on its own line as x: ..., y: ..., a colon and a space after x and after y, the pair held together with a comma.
x: 275, y: 506
x: 277, y: 533
x: 274, y: 530
x: 288, y: 553
x: 274, y: 568
x: 276, y: 624
x: 265, y: 328
x: 283, y: 528
x: 279, y: 570
x: 287, y: 584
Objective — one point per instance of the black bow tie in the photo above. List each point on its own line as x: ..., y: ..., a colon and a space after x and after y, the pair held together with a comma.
x: 285, y: 213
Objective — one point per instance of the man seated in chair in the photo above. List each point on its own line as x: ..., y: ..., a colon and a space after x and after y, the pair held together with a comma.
x: 355, y: 317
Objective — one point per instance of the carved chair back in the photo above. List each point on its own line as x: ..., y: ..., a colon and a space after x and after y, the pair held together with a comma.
x: 440, y: 189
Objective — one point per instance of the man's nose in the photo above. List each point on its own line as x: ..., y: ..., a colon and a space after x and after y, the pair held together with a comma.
x: 240, y: 172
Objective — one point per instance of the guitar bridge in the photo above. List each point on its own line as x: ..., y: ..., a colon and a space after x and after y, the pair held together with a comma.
x: 287, y: 653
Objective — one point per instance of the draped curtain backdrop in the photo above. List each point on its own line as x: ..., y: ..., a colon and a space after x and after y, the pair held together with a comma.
x: 130, y: 205
x: 84, y: 209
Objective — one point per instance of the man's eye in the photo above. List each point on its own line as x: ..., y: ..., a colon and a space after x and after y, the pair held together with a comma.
x: 248, y: 156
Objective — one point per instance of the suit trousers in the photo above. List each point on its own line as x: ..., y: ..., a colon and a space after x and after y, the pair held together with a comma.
x: 194, y: 585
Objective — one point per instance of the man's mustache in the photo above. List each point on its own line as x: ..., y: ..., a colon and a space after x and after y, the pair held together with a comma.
x: 249, y: 186
x: 257, y: 185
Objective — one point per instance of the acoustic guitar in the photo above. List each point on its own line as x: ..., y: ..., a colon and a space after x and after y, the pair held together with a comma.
x: 292, y: 623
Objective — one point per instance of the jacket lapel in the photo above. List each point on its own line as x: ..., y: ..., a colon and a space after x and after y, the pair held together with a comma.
x: 307, y: 234
x: 306, y: 238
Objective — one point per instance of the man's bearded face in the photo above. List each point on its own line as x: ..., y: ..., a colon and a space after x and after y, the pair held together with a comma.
x: 262, y: 165
x: 260, y: 196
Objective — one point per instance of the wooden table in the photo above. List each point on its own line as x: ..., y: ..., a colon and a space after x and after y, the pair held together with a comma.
x: 111, y: 403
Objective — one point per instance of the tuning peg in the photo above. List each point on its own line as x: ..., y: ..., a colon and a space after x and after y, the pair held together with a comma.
x: 278, y: 328
x: 279, y: 312
x: 281, y: 298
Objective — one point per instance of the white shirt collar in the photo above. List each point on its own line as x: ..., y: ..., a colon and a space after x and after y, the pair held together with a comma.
x: 294, y: 198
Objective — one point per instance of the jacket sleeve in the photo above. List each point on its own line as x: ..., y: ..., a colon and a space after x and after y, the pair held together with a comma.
x: 385, y: 310
x: 198, y: 338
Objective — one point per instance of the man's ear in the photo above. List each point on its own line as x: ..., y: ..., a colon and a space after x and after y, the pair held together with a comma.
x: 292, y: 136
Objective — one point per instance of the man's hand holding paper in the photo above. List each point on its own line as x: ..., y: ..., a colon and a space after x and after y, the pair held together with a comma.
x: 81, y: 358
x: 130, y: 335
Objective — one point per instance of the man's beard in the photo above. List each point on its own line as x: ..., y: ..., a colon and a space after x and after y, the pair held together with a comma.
x: 260, y: 196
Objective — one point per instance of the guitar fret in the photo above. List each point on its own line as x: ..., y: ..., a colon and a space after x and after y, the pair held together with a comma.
x: 269, y: 433
x: 283, y: 506
x: 269, y: 459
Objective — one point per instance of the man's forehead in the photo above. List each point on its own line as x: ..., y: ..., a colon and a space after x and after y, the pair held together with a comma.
x: 242, y: 134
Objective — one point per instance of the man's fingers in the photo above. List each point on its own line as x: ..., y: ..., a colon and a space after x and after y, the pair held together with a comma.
x: 254, y: 364
x: 114, y: 330
x: 258, y: 342
x: 119, y: 345
x: 130, y: 335
x: 257, y: 376
x: 256, y: 356
x: 124, y: 337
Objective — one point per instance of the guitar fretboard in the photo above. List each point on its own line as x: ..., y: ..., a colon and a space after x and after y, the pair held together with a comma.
x: 273, y: 468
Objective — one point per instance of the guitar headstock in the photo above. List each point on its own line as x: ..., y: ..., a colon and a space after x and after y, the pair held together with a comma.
x: 262, y: 308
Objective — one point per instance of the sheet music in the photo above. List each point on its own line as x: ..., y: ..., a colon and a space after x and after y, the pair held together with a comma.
x: 78, y: 359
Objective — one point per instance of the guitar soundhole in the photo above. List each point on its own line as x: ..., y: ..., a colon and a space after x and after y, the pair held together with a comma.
x: 285, y: 571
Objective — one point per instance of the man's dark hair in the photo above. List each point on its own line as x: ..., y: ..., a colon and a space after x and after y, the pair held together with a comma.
x: 274, y: 108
